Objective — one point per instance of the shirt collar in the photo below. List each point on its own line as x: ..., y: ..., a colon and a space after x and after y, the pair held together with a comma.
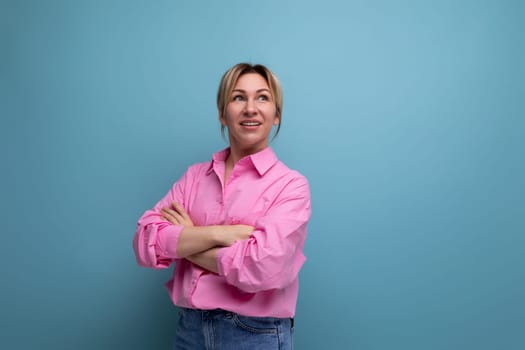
x: 219, y: 157
x: 262, y: 161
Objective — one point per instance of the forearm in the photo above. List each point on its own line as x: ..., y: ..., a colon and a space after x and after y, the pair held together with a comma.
x: 206, y: 259
x: 196, y: 239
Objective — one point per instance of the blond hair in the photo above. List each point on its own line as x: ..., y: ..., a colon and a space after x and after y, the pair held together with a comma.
x: 232, y: 75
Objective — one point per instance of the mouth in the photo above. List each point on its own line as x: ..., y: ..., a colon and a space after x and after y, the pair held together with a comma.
x: 250, y: 123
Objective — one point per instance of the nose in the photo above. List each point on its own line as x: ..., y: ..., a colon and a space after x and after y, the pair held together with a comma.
x: 250, y: 106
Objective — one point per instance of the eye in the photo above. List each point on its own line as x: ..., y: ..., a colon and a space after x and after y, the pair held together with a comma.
x: 238, y: 98
x: 264, y: 97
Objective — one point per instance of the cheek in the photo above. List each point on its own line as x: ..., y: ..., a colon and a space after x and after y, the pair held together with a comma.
x: 231, y: 111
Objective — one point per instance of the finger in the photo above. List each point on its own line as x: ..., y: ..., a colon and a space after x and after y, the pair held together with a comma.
x: 179, y: 208
x: 167, y: 216
x: 169, y: 213
x: 172, y: 215
x: 177, y: 215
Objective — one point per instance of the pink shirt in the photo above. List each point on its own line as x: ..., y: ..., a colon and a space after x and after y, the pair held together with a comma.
x: 257, y: 276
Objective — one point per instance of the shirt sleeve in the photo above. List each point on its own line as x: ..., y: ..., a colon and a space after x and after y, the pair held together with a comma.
x: 272, y: 257
x: 155, y: 241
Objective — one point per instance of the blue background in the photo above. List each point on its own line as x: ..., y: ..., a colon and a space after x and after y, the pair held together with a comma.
x: 406, y: 116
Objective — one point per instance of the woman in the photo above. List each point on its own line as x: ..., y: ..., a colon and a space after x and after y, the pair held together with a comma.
x: 235, y: 227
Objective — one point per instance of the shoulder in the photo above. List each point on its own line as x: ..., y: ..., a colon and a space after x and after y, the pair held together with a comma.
x: 198, y: 169
x: 293, y: 179
x: 283, y: 169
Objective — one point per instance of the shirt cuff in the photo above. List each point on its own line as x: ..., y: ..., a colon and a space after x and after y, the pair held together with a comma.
x: 168, y: 240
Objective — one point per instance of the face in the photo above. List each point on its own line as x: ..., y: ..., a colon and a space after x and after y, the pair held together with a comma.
x: 250, y: 114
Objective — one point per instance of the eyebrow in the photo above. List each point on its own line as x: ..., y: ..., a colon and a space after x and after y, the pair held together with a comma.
x: 244, y: 91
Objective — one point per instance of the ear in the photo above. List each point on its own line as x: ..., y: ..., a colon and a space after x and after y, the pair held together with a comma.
x: 276, y: 119
x: 222, y: 119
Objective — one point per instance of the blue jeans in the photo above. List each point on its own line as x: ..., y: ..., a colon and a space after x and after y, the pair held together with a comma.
x: 224, y: 330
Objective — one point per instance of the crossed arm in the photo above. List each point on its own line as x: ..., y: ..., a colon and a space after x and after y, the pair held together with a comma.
x: 200, y: 244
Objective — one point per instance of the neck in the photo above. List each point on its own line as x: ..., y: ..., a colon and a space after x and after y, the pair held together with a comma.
x: 234, y: 157
x: 237, y: 154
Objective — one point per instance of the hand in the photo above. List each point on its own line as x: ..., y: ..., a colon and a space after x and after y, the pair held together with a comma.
x: 177, y: 215
x: 229, y: 234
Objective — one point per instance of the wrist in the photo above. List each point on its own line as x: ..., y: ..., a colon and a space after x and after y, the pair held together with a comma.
x: 216, y: 234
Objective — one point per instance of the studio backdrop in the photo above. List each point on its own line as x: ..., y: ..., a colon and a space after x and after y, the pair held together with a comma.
x: 407, y: 117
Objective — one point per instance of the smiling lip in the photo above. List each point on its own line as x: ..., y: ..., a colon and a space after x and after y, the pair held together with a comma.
x: 249, y: 123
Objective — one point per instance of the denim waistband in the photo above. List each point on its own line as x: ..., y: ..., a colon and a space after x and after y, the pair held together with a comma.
x: 221, y: 312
